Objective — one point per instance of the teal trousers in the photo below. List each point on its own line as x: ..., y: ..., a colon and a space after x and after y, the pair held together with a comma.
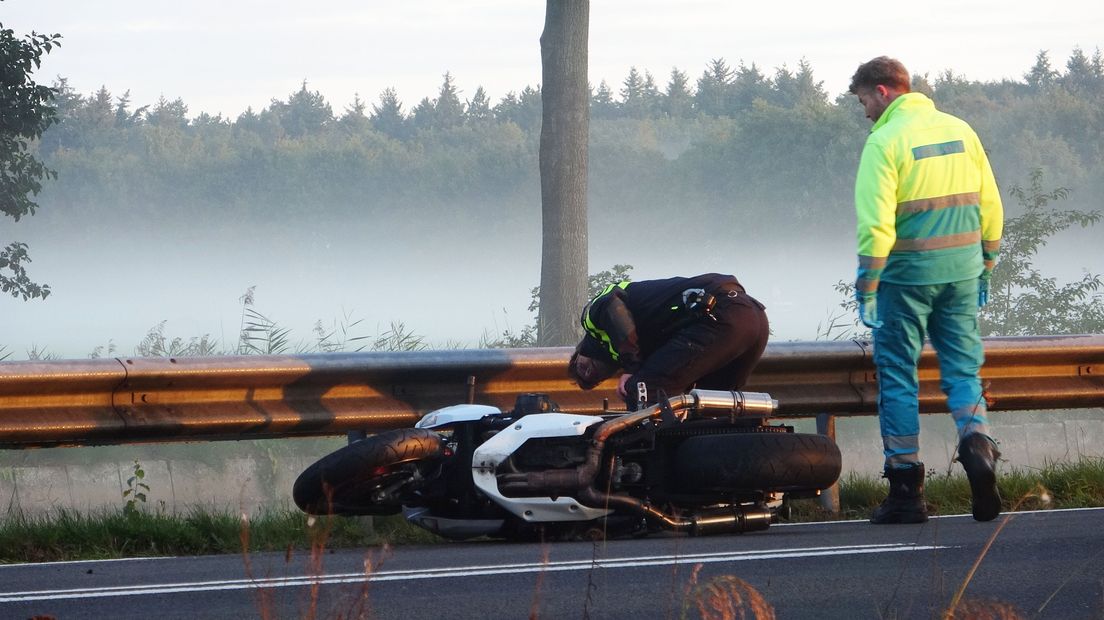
x: 947, y: 314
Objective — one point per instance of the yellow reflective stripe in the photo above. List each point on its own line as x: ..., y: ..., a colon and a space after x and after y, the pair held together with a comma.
x: 937, y: 243
x: 938, y: 202
x: 593, y: 330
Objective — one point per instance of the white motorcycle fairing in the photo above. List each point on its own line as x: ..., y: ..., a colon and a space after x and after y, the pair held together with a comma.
x: 456, y: 413
x: 494, y: 451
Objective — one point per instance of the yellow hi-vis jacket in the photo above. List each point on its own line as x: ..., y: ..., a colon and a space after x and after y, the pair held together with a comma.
x: 925, y: 198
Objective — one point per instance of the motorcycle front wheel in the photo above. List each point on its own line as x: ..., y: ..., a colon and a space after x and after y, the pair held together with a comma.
x: 370, y: 476
x: 757, y: 461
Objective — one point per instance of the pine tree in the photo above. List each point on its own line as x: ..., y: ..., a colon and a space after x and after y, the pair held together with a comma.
x: 478, y: 109
x: 387, y: 116
x: 602, y: 104
x: 524, y: 110
x: 167, y: 113
x: 632, y: 95
x: 653, y: 100
x: 354, y: 119
x: 678, y: 102
x: 99, y: 112
x: 448, y: 111
x: 124, y: 117
x: 748, y: 85
x: 1041, y: 76
x: 713, y: 89
x: 306, y: 112
x: 424, y: 115
x: 1083, y: 77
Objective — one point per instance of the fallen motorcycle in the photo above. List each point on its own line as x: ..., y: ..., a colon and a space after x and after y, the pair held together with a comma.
x: 705, y: 462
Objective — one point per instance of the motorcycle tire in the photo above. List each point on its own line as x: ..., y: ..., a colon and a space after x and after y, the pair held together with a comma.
x: 757, y: 461
x: 354, y: 479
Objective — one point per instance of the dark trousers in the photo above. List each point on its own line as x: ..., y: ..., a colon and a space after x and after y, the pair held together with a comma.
x: 709, y: 354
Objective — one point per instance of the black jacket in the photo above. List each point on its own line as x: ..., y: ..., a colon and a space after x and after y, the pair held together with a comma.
x: 629, y: 321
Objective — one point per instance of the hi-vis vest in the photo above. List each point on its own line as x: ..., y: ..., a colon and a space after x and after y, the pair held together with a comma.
x: 595, y: 332
x: 925, y: 196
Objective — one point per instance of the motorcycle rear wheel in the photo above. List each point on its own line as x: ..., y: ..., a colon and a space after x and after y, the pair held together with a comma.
x: 367, y: 477
x: 757, y: 461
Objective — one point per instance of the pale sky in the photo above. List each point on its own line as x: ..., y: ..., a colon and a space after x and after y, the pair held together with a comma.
x: 223, y: 56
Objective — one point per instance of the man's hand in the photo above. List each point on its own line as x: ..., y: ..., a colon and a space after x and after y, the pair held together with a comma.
x: 868, y: 309
x: 866, y: 289
x: 622, y: 391
x: 983, y: 290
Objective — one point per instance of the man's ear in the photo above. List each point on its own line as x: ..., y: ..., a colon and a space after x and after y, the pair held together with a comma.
x: 882, y: 90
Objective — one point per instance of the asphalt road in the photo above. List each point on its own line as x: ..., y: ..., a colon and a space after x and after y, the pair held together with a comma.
x: 1042, y: 564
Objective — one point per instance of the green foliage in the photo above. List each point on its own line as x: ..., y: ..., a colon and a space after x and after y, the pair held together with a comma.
x: 102, y: 350
x: 399, y: 338
x: 40, y: 354
x: 136, y: 491
x: 510, y: 339
x: 261, y: 335
x: 304, y: 113
x: 156, y: 344
x: 339, y: 336
x: 258, y: 334
x: 27, y: 113
x: 68, y: 535
x: 1023, y: 301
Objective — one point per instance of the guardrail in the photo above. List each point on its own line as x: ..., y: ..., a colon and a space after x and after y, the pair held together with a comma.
x: 106, y: 401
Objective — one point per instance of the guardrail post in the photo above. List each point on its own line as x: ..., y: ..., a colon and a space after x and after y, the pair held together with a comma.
x: 829, y: 498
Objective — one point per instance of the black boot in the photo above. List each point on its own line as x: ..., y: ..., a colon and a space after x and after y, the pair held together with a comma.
x: 978, y: 455
x: 905, y: 503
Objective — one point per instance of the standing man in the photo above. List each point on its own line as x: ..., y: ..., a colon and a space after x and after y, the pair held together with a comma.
x: 929, y: 229
x: 669, y: 335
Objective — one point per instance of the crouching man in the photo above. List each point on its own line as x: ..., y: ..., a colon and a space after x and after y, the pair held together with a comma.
x: 671, y: 334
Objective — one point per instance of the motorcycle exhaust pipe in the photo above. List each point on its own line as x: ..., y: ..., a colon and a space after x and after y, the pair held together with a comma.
x: 727, y: 520
x: 732, y: 519
x: 734, y: 403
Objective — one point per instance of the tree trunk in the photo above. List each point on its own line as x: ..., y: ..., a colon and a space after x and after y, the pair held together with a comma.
x: 563, y: 171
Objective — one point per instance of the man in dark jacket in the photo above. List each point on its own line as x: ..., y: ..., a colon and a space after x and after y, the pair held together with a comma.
x: 670, y: 334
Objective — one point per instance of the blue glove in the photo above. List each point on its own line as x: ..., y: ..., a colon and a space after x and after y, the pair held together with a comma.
x: 983, y: 291
x: 868, y: 309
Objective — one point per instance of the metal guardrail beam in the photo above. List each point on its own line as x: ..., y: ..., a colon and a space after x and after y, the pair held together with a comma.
x: 105, y: 401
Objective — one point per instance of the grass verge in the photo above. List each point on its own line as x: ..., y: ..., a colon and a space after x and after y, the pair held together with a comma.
x: 68, y: 535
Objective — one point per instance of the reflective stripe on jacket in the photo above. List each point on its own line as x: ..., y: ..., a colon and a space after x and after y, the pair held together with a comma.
x: 598, y: 333
x: 925, y: 196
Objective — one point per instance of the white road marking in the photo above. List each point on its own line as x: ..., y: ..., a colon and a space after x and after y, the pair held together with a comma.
x: 457, y: 572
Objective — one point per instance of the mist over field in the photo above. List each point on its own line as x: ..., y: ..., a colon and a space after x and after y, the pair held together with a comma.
x: 112, y: 282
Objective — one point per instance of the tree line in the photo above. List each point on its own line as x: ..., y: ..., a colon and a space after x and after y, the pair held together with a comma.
x: 734, y: 143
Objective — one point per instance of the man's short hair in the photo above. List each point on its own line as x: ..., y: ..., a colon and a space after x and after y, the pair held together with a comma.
x: 882, y: 70
x: 604, y: 365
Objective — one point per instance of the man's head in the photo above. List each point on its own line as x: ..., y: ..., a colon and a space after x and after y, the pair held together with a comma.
x: 590, y: 364
x: 878, y: 82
